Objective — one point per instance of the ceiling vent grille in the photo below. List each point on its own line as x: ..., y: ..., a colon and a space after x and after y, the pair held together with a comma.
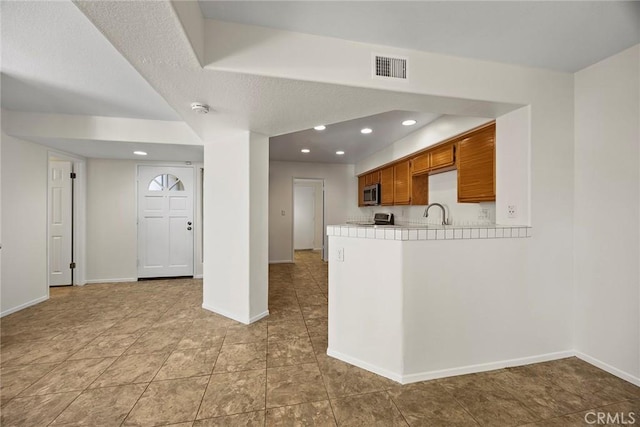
x: 385, y: 66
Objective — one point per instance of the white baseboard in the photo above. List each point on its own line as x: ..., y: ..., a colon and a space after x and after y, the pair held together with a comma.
x: 432, y: 375
x: 606, y: 367
x: 198, y: 276
x: 121, y: 280
x: 233, y: 316
x: 23, y: 306
x: 281, y: 261
x: 483, y: 367
x: 364, y: 365
x: 259, y: 316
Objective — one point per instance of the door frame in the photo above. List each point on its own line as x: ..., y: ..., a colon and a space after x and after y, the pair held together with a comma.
x: 324, y: 214
x: 79, y: 214
x: 195, y: 168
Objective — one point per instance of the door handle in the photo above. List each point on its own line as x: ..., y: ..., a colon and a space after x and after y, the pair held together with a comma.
x: 189, y: 228
x: 189, y: 223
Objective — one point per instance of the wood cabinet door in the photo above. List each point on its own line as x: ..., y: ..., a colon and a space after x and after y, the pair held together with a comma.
x: 386, y: 186
x: 361, y: 185
x: 476, y: 167
x: 373, y: 178
x: 420, y: 163
x: 442, y: 157
x: 402, y: 183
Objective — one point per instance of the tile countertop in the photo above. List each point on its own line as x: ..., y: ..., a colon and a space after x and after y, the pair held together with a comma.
x: 430, y: 232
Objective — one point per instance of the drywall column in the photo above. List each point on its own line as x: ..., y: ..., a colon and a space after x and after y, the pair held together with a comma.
x: 607, y: 214
x: 236, y: 176
x: 513, y: 167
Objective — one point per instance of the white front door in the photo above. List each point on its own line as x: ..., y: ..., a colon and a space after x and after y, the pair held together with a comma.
x: 60, y: 223
x: 304, y: 209
x: 165, y: 221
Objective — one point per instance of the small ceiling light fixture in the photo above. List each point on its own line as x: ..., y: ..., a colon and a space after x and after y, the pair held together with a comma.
x: 305, y: 150
x: 320, y: 127
x: 409, y: 122
x: 140, y: 153
x: 366, y: 130
x: 339, y: 153
x: 200, y: 108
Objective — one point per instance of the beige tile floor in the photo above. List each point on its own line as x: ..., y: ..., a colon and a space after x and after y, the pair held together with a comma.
x: 147, y: 354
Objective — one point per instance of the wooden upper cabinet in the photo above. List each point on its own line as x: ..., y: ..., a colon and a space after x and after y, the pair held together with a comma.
x: 361, y: 185
x: 406, y: 182
x: 386, y: 186
x: 372, y: 178
x: 476, y: 166
x: 442, y: 158
x: 402, y: 183
x: 420, y: 163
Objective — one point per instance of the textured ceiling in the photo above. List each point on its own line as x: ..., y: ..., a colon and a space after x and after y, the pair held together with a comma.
x: 149, y: 35
x: 564, y: 36
x: 345, y: 136
x: 55, y: 61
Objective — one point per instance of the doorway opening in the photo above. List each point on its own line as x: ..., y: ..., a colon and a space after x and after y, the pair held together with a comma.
x: 308, y: 218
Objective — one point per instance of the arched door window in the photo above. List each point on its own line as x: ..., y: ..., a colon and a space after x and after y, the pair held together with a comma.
x: 166, y: 182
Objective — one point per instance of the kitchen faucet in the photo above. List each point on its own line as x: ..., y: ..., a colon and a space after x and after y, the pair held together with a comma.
x: 444, y: 215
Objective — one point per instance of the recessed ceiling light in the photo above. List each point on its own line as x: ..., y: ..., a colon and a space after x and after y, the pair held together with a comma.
x: 140, y: 153
x: 339, y: 153
x: 409, y: 122
x: 365, y: 130
x: 320, y: 127
x: 305, y: 150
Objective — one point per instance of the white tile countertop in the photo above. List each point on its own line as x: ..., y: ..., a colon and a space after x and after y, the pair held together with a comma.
x: 430, y: 232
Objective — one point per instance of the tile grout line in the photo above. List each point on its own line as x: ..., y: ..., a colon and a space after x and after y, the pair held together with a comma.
x: 149, y: 383
x: 315, y: 355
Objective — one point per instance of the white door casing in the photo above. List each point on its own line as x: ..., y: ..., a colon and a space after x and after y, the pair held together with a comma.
x: 60, y: 222
x: 304, y: 217
x: 165, y: 221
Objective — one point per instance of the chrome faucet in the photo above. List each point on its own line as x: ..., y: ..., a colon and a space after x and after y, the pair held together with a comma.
x: 444, y: 215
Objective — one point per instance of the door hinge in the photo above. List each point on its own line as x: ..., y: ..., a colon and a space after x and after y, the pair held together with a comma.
x: 73, y: 175
x: 72, y: 265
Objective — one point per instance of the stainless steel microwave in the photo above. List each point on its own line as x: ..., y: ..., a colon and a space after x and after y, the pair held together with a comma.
x: 372, y: 195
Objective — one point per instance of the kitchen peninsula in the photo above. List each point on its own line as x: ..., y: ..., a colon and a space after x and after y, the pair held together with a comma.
x: 417, y: 303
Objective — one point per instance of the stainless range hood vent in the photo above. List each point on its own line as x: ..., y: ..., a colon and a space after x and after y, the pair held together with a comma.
x: 386, y: 66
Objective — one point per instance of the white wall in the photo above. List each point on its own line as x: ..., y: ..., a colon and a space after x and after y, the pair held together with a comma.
x: 112, y: 239
x: 513, y: 167
x: 340, y: 186
x: 111, y: 221
x: 607, y: 213
x: 24, y: 224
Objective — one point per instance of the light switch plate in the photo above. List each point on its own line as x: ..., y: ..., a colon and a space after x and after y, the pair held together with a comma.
x: 340, y: 255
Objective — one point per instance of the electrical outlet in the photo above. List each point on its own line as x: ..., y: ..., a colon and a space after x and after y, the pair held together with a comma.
x: 512, y: 211
x: 483, y: 213
x: 340, y: 255
x: 282, y: 212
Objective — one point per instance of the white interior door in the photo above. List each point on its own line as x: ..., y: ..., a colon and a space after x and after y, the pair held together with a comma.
x: 165, y: 221
x: 60, y: 223
x: 304, y: 210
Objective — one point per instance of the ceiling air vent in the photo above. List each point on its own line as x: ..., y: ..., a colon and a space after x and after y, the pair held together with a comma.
x: 386, y: 66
